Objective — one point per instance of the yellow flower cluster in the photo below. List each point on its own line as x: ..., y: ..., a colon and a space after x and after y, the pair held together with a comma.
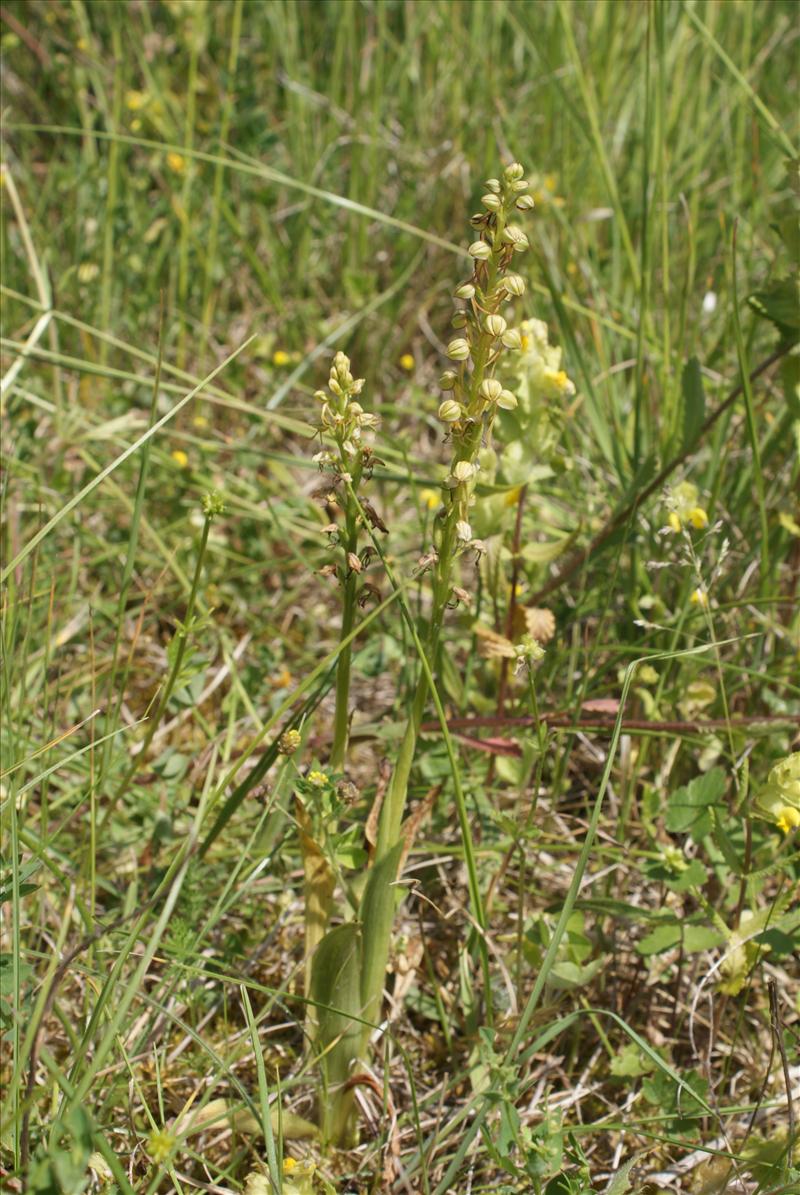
x: 539, y: 365
x: 684, y: 508
x: 779, y: 800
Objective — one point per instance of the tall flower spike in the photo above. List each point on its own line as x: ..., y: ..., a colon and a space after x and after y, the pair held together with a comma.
x: 473, y: 396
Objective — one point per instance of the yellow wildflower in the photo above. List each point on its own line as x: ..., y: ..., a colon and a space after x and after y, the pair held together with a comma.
x: 280, y: 357
x: 176, y: 162
x: 283, y: 680
x: 200, y: 422
x: 288, y: 1165
x: 685, y: 509
x: 135, y: 100
x: 406, y: 362
x: 160, y: 1145
x: 430, y: 498
x: 788, y: 818
x: 180, y: 458
x: 699, y: 598
x: 779, y: 800
x: 318, y: 779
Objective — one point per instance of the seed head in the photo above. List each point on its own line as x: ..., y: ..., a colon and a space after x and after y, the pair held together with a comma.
x: 289, y: 741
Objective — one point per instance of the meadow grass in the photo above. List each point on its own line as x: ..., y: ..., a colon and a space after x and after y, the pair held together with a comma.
x: 594, y: 978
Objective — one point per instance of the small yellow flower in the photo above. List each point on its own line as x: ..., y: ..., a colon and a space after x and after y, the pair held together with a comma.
x: 160, y: 1145
x: 685, y: 510
x: 558, y: 378
x: 180, y: 458
x: 406, y: 362
x: 200, y: 422
x: 289, y: 741
x: 176, y: 162
x: 288, y: 1165
x: 430, y: 498
x: 135, y: 100
x: 318, y: 779
x: 280, y: 357
x: 283, y: 680
x: 787, y: 819
x: 699, y: 598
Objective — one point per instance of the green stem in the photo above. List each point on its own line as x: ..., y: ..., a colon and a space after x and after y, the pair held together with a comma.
x: 155, y: 720
x: 342, y: 715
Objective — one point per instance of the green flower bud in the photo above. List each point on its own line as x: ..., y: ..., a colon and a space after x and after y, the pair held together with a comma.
x: 448, y: 379
x: 493, y: 202
x: 459, y: 320
x: 465, y: 291
x: 512, y: 339
x: 493, y: 184
x: 463, y: 471
x: 490, y: 389
x: 450, y: 411
x: 463, y: 531
x: 514, y: 236
x: 514, y: 284
x: 495, y: 325
x: 513, y: 172
x: 520, y: 185
x: 458, y: 349
x: 213, y: 505
x: 506, y: 400
x: 525, y: 203
x: 480, y: 250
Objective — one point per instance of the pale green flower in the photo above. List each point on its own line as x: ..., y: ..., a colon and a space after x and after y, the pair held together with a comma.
x: 779, y: 800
